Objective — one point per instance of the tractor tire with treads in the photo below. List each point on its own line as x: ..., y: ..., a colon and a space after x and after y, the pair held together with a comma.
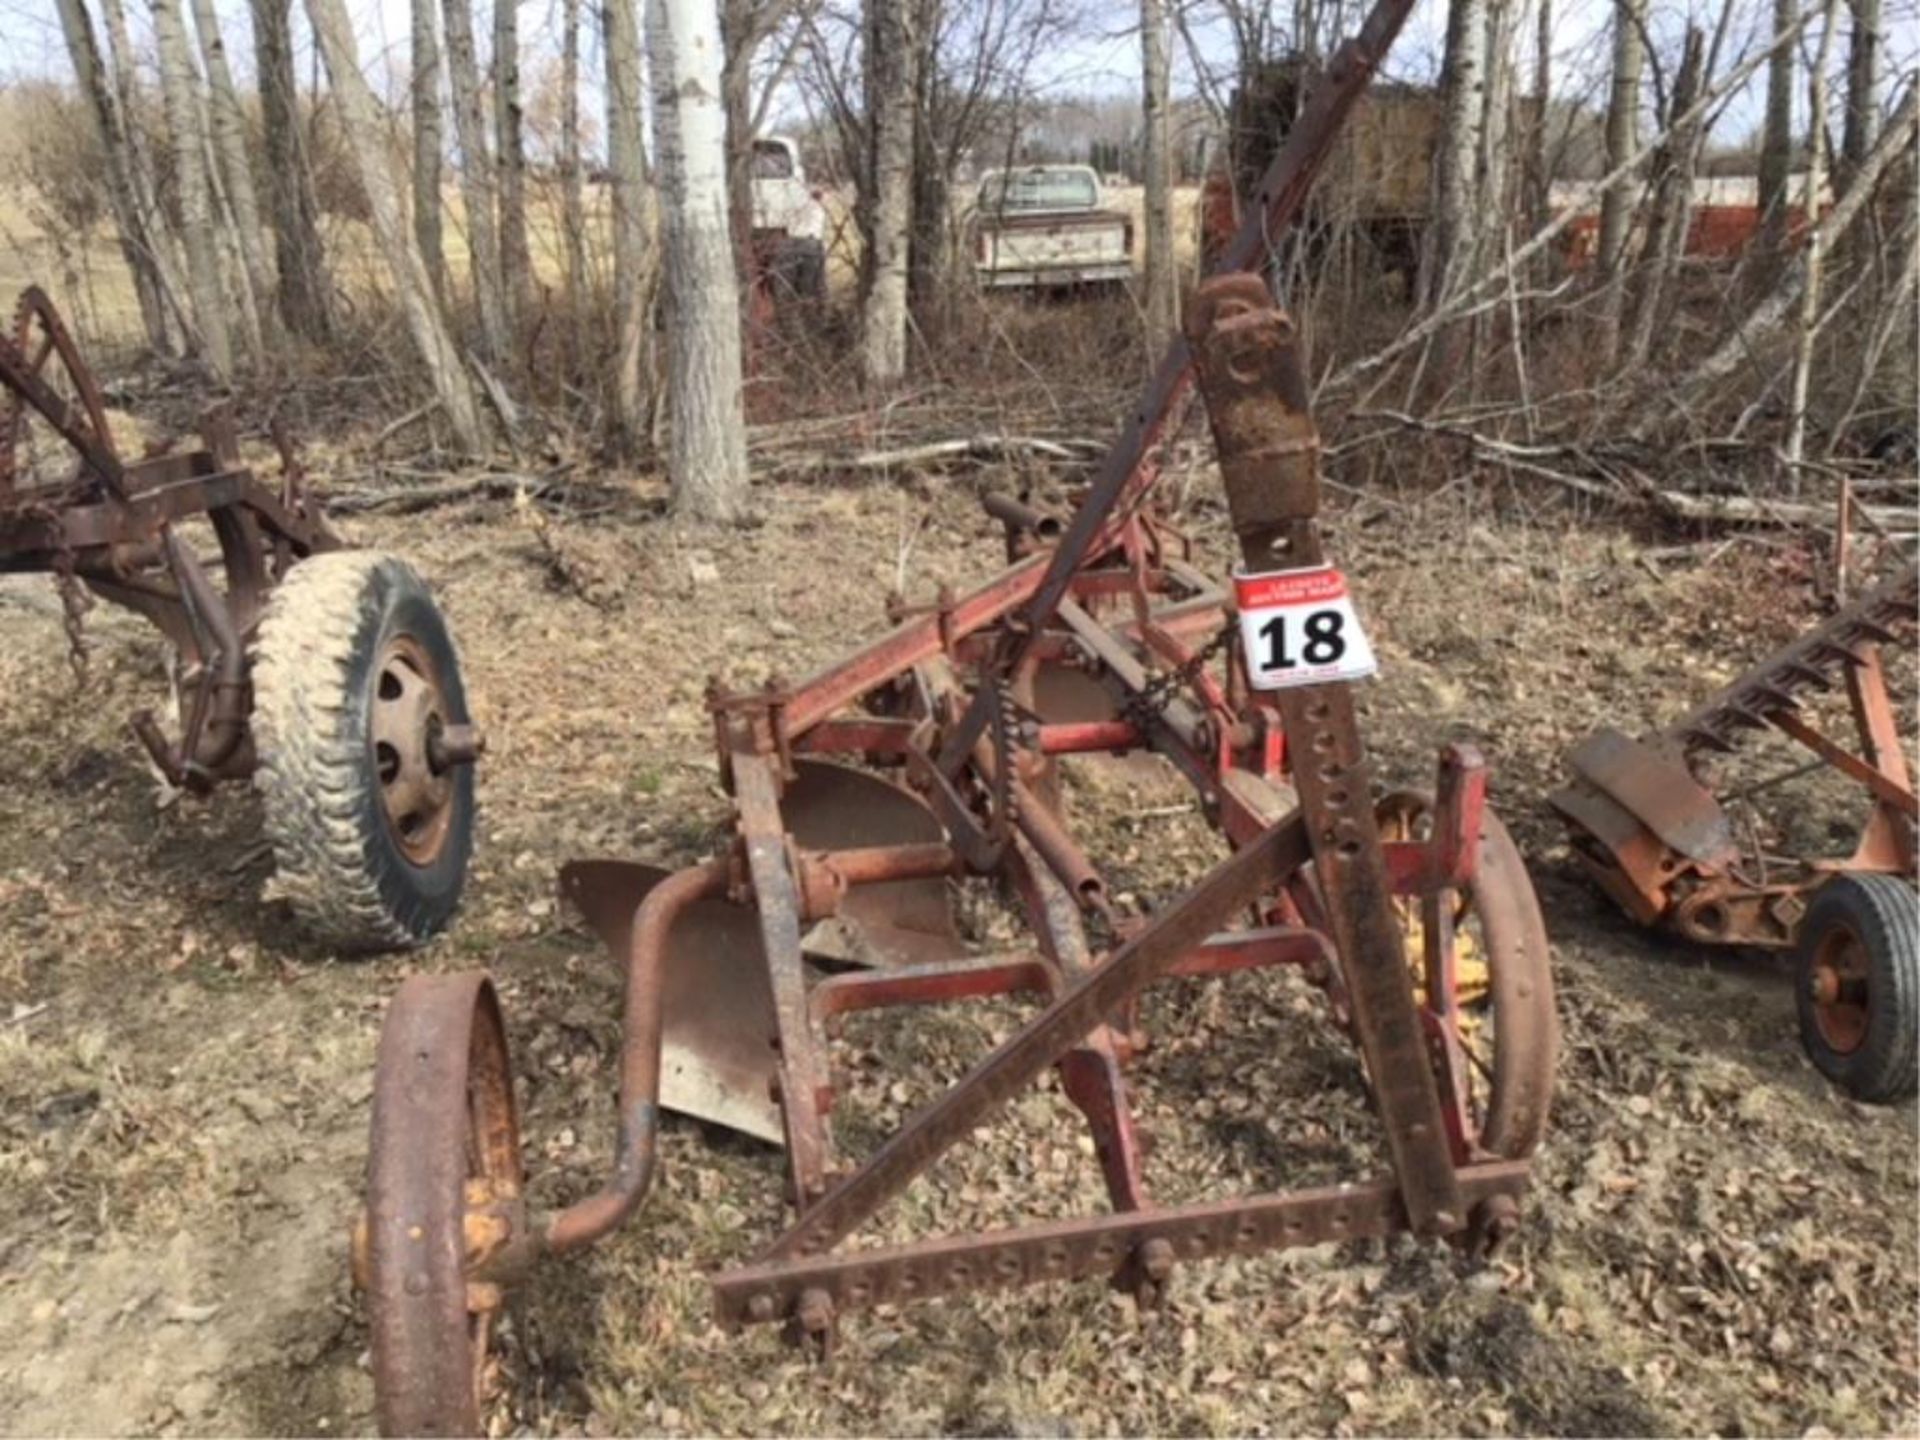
x: 355, y: 677
x: 1858, y: 985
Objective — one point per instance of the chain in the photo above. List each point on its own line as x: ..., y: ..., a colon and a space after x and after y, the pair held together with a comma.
x: 1151, y: 702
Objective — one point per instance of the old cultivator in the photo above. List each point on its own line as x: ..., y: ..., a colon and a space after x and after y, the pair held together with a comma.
x: 325, y: 673
x: 924, y: 761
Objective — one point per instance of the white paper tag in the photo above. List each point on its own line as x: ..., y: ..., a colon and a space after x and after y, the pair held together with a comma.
x: 1298, y: 627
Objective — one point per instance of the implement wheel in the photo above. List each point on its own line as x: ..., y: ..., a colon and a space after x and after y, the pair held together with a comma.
x: 444, y: 1188
x: 1858, y: 984
x: 365, y: 749
x: 1499, y: 1005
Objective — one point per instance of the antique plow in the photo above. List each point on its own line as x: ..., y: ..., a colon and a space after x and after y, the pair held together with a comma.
x: 326, y: 674
x: 927, y: 761
x: 1653, y: 836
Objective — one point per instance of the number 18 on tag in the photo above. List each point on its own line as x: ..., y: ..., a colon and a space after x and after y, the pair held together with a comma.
x: 1298, y: 627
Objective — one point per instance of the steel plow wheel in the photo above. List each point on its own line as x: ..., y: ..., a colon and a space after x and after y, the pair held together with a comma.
x: 1480, y: 961
x: 444, y: 1200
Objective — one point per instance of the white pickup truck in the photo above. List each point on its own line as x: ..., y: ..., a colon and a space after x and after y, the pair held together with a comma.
x: 789, y: 221
x: 1042, y: 226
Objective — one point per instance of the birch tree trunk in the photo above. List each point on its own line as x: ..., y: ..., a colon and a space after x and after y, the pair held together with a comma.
x: 162, y: 237
x: 707, y: 456
x: 205, y: 288
x: 299, y: 263
x: 229, y: 138
x: 1163, y: 304
x: 1863, y: 83
x: 889, y: 67
x: 1623, y: 134
x: 632, y: 196
x: 1463, y: 106
x: 364, y: 132
x: 476, y: 178
x: 429, y: 142
x: 1815, y: 251
x: 516, y: 263
x: 573, y: 205
x: 105, y: 116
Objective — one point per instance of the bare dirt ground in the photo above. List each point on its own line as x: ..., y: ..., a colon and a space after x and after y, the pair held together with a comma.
x: 1717, y: 1242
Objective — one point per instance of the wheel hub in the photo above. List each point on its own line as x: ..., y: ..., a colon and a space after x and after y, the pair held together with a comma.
x: 1837, y: 985
x: 415, y: 749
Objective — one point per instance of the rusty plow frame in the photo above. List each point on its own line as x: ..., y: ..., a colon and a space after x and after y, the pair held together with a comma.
x: 940, y: 734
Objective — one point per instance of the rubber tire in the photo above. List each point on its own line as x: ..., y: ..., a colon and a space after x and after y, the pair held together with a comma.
x: 1884, y: 911
x: 336, y: 860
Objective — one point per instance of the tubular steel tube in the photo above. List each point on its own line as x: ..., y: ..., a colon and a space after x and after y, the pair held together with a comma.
x: 876, y: 864
x: 1065, y: 858
x: 590, y: 1219
x: 1021, y: 516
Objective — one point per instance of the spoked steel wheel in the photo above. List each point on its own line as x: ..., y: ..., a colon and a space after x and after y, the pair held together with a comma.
x: 444, y: 1198
x: 1487, y: 1000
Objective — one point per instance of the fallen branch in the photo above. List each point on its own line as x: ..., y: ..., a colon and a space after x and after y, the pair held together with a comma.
x: 1072, y: 451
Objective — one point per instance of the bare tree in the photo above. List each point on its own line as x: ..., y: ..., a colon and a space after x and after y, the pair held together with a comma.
x: 573, y: 204
x: 1764, y: 320
x: 632, y: 223
x: 707, y: 457
x: 745, y: 26
x: 476, y: 178
x: 889, y: 70
x: 1776, y: 140
x: 1457, y: 158
x: 1623, y: 133
x: 1814, y: 253
x: 229, y: 138
x: 429, y: 141
x: 1157, y: 243
x: 1673, y: 166
x: 179, y: 88
x: 516, y: 262
x: 98, y: 102
x: 299, y: 262
x: 162, y: 236
x: 1863, y: 82
x: 364, y: 136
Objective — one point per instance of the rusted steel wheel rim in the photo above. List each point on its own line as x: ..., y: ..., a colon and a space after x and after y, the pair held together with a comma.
x: 1838, y: 986
x: 1511, y: 1061
x: 444, y: 1192
x: 409, y: 719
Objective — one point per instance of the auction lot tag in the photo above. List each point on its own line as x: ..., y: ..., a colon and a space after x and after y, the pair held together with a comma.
x: 1298, y: 627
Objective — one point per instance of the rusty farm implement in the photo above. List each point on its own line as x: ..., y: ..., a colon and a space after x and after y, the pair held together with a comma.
x: 325, y: 674
x: 1650, y: 832
x: 924, y: 763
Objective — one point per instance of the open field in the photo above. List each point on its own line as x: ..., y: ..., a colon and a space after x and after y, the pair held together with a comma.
x: 1716, y: 1242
